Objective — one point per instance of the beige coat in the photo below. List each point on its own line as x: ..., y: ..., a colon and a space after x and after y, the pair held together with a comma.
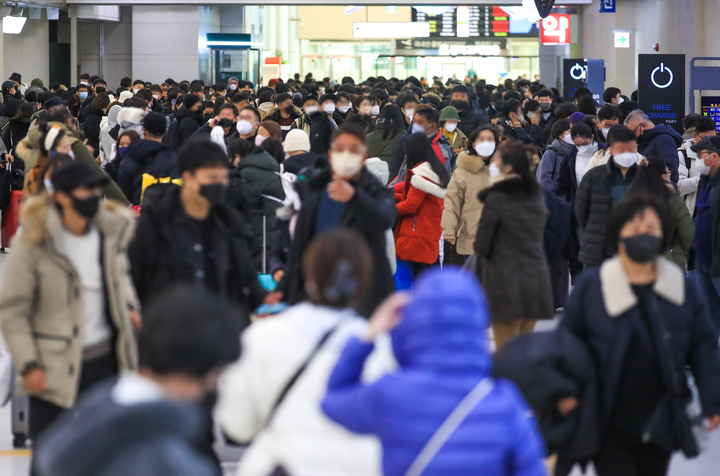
x: 462, y: 208
x: 41, y: 303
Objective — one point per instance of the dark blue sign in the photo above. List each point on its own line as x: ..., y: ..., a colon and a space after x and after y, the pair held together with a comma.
x: 607, y: 6
x: 596, y: 78
x: 661, y: 88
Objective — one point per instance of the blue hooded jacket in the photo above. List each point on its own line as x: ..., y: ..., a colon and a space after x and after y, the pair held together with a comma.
x: 662, y: 142
x: 441, y: 347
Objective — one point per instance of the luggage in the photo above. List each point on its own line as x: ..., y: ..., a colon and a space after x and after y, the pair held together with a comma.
x: 10, y: 218
x: 20, y: 409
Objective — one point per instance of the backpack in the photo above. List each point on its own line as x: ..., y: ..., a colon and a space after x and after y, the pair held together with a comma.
x: 688, y: 160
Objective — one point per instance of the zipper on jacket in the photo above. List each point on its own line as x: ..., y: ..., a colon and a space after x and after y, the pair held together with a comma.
x: 414, y: 221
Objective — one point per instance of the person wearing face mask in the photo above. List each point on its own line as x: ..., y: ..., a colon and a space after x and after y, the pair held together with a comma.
x: 613, y: 96
x: 449, y: 121
x: 462, y: 211
x: 248, y: 123
x: 80, y: 243
x: 574, y: 167
x: 656, y: 141
x: 408, y: 103
x: 425, y: 121
x: 147, y: 157
x: 232, y: 86
x: 706, y: 246
x: 226, y: 119
x: 471, y: 117
x: 310, y: 107
x: 545, y: 98
x: 121, y: 147
x: 285, y: 113
x: 600, y: 189
x: 556, y: 154
x: 297, y: 147
x: 607, y: 116
x: 343, y: 194
x: 645, y: 325
x: 343, y: 104
x: 513, y: 123
x: 323, y: 125
x: 188, y: 119
x: 690, y: 167
x: 509, y: 240
x: 91, y: 117
x: 190, y: 234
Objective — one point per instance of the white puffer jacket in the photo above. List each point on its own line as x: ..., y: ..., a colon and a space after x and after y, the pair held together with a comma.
x: 299, y: 437
x: 688, y: 179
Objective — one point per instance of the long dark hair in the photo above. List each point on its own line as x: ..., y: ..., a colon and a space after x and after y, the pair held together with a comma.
x: 418, y: 149
x: 391, y: 121
x: 649, y: 181
x: 133, y: 135
x: 522, y: 159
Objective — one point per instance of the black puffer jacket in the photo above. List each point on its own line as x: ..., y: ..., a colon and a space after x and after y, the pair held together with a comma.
x: 592, y: 209
x: 145, y: 157
x: 188, y: 123
x: 547, y: 367
x: 91, y: 119
x: 472, y: 118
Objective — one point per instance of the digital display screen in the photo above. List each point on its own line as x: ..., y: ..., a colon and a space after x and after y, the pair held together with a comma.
x: 711, y: 109
x: 477, y: 21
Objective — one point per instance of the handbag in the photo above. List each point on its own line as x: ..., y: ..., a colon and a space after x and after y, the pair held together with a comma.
x: 446, y: 430
x: 682, y: 411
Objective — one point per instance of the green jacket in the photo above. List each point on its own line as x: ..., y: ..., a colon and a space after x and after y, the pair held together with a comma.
x: 684, y: 231
x: 383, y: 148
x: 264, y: 190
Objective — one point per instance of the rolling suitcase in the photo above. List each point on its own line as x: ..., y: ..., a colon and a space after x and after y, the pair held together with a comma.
x: 20, y: 409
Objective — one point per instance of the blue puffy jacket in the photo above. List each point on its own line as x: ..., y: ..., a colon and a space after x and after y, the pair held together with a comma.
x: 662, y: 142
x: 441, y: 347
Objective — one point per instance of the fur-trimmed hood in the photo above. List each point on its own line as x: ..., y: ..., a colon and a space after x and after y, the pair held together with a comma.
x: 617, y: 292
x: 472, y: 163
x: 41, y: 221
x: 130, y: 116
x: 425, y: 179
x: 511, y: 184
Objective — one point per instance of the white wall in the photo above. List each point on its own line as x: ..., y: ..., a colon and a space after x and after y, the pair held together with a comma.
x: 27, y: 53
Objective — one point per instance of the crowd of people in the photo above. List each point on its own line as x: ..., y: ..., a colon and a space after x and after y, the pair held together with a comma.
x: 322, y: 271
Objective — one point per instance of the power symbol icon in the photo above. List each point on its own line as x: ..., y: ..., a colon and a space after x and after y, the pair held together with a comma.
x: 661, y: 69
x: 577, y: 72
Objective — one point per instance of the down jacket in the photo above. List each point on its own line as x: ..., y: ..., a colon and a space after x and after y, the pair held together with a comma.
x: 515, y: 273
x: 42, y: 304
x: 461, y: 215
x: 548, y: 172
x: 298, y: 436
x: 443, y: 354
x: 145, y: 156
x: 420, y: 208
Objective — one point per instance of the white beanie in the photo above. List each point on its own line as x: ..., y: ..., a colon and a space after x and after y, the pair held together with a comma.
x: 124, y: 96
x: 296, y: 140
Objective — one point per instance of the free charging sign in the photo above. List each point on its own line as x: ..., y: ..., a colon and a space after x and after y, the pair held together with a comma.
x: 661, y: 88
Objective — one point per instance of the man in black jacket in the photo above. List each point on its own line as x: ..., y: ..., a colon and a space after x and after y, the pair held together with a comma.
x: 190, y: 235
x: 189, y: 117
x: 227, y: 119
x: 343, y: 195
x: 600, y: 189
x: 148, y: 156
x: 470, y: 116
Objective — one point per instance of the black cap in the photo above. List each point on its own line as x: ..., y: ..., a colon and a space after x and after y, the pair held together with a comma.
x: 709, y: 143
x: 155, y: 123
x: 8, y: 85
x: 52, y: 102
x: 16, y: 77
x: 328, y: 97
x: 461, y: 89
x: 309, y: 97
x: 67, y: 178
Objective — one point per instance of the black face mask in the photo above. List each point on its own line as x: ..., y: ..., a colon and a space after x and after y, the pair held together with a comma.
x: 207, y: 117
x: 225, y: 123
x: 99, y: 90
x: 87, y: 207
x: 642, y: 248
x: 214, y: 192
x: 289, y: 109
x: 460, y: 105
x: 545, y: 106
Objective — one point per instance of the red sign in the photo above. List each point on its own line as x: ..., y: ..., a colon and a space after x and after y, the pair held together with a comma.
x: 555, y: 30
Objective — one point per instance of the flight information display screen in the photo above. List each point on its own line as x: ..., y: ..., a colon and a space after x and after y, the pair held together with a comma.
x: 477, y: 21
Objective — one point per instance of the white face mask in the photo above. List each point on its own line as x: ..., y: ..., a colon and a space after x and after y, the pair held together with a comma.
x: 485, y: 148
x: 620, y: 101
x: 244, y: 127
x: 375, y: 110
x: 233, y: 87
x: 343, y: 109
x: 409, y: 113
x: 157, y: 96
x: 494, y: 170
x: 626, y: 159
x: 329, y: 108
x: 450, y: 126
x: 417, y: 128
x: 346, y: 164
x: 586, y: 149
x: 311, y: 110
x: 568, y: 138
x: 605, y: 131
x: 704, y: 170
x: 48, y: 185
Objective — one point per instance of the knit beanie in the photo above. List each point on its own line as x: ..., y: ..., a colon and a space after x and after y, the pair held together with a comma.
x: 296, y: 140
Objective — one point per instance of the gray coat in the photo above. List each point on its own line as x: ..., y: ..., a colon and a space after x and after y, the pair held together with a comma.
x: 509, y: 243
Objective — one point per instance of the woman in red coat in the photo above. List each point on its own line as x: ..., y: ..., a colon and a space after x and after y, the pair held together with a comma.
x: 420, y: 205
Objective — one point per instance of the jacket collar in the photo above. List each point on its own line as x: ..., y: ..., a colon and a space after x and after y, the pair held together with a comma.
x: 472, y: 163
x: 423, y: 178
x: 617, y: 292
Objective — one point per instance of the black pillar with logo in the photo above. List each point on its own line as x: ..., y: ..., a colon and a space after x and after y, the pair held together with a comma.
x: 661, y: 88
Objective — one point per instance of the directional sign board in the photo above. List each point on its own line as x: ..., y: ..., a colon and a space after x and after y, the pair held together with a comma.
x: 661, y: 88
x: 622, y: 39
x: 607, y: 6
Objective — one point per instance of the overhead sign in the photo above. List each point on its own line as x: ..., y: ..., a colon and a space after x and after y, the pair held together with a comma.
x: 584, y: 73
x: 449, y: 47
x: 711, y: 108
x: 622, y: 39
x: 607, y: 6
x: 555, y: 30
x: 661, y: 88
x: 475, y: 21
x: 391, y: 29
